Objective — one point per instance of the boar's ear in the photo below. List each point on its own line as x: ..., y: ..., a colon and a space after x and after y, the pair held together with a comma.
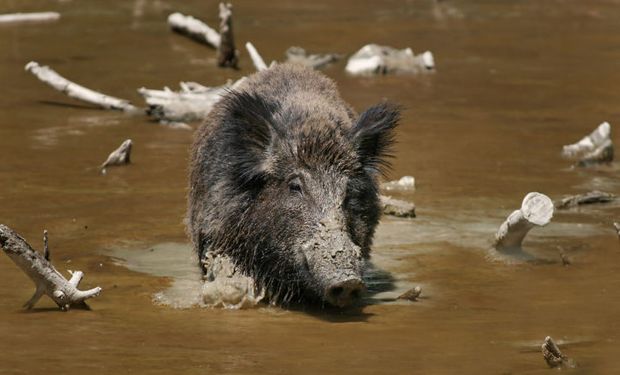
x: 249, y: 130
x: 373, y: 136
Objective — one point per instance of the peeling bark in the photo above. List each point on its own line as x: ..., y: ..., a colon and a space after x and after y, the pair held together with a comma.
x: 73, y: 90
x: 536, y: 210
x: 47, y: 279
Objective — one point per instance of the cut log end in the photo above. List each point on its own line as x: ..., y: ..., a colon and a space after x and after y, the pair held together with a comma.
x: 536, y: 210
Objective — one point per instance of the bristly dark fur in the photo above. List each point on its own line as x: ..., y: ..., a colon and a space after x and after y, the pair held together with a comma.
x: 285, y: 124
x: 374, y: 136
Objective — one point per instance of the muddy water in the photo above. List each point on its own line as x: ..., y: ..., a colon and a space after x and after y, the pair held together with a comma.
x: 515, y: 81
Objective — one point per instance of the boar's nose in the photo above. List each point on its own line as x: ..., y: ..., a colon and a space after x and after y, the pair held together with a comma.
x: 344, y: 293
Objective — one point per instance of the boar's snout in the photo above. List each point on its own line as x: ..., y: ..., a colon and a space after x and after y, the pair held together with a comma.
x: 334, y: 263
x: 345, y: 293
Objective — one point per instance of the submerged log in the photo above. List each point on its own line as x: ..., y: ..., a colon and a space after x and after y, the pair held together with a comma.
x: 120, y: 156
x: 375, y: 59
x: 298, y: 55
x: 192, y: 103
x: 227, y: 53
x: 194, y: 29
x: 411, y: 294
x: 73, y: 90
x: 590, y: 197
x: 536, y: 210
x: 595, y: 148
x: 257, y: 60
x: 45, y: 277
x: 395, y: 207
x: 553, y: 356
x: 29, y: 17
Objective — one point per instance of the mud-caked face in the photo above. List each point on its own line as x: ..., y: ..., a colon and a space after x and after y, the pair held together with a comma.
x: 328, y: 223
x: 310, y: 201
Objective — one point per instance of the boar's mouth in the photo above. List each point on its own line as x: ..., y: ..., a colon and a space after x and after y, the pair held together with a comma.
x: 334, y: 265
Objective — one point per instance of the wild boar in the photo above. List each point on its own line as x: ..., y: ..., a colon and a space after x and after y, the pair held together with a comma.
x: 284, y: 181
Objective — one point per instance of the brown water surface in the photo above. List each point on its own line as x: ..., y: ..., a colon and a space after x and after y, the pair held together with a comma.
x: 515, y: 81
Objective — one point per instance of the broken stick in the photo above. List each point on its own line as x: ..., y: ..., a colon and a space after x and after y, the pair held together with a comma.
x: 192, y: 103
x: 46, y: 278
x: 396, y: 207
x: 120, y: 156
x: 553, y: 356
x: 73, y: 90
x: 536, y: 210
x: 374, y: 59
x: 227, y: 53
x: 29, y: 17
x: 595, y: 148
x: 590, y: 197
x: 194, y: 29
x: 298, y: 55
x: 257, y: 60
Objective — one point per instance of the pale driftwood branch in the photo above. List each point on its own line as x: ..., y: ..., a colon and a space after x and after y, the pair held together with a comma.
x: 257, y: 60
x: 298, y: 55
x: 29, y: 17
x: 374, y: 59
x: 120, y: 156
x: 395, y: 207
x: 73, y: 90
x: 192, y: 103
x: 590, y: 197
x: 595, y: 148
x: 553, y: 356
x: 195, y: 29
x: 403, y: 184
x: 227, y: 54
x: 536, y: 210
x: 411, y: 294
x: 45, y: 277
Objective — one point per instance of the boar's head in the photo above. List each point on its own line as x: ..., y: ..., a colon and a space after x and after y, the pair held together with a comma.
x: 303, y: 195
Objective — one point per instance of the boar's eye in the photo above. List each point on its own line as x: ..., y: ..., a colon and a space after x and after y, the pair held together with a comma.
x: 294, y: 185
